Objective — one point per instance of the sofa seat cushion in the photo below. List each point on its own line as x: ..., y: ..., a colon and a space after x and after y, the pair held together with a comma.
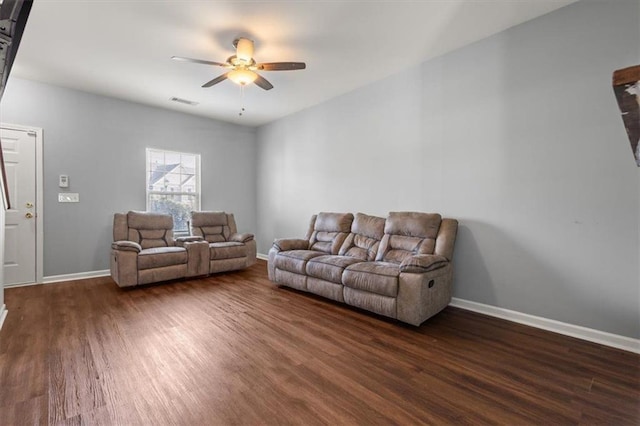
x: 159, y: 257
x: 329, y: 268
x: 373, y: 277
x: 295, y: 260
x: 227, y: 250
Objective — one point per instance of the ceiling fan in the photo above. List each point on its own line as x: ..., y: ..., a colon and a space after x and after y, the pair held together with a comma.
x: 242, y: 67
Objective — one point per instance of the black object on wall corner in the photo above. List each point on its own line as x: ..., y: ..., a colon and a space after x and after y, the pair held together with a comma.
x: 13, y: 19
x: 626, y: 86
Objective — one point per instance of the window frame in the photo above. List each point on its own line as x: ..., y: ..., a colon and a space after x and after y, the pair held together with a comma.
x: 149, y: 193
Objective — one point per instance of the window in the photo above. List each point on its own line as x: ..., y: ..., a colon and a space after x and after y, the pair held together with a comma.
x: 173, y: 185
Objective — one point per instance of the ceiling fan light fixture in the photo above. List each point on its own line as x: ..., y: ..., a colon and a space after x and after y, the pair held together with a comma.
x: 244, y: 50
x: 242, y: 66
x: 242, y: 76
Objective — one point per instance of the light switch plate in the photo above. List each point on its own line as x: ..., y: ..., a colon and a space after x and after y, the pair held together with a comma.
x: 63, y: 181
x: 68, y: 197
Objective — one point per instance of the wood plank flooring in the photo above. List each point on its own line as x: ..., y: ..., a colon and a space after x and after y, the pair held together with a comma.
x: 235, y: 349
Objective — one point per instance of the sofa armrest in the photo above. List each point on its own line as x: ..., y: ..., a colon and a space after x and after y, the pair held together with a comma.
x: 126, y: 246
x: 241, y: 238
x: 422, y: 295
x: 197, y: 257
x: 124, y: 267
x: 285, y: 244
x: 423, y: 263
x: 180, y: 241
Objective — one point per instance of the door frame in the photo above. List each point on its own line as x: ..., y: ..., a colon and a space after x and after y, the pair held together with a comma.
x: 37, y: 131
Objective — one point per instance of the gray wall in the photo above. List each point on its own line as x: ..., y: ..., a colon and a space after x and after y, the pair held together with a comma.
x: 518, y: 136
x: 100, y: 143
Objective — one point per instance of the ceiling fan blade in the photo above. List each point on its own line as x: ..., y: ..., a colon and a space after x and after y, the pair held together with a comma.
x: 262, y: 82
x: 197, y: 61
x: 281, y: 66
x: 216, y: 80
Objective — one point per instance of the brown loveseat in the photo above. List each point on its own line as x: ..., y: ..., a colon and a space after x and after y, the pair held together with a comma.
x: 144, y: 250
x: 399, y: 267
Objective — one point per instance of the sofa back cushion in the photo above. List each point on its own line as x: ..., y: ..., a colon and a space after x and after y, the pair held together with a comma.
x: 212, y: 226
x: 364, y: 239
x: 149, y: 229
x: 120, y: 227
x: 407, y: 234
x: 330, y: 231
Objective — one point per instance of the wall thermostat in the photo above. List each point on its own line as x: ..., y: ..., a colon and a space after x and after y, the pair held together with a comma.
x: 63, y: 182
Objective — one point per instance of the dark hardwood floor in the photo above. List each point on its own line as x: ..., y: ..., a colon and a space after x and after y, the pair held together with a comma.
x: 235, y: 349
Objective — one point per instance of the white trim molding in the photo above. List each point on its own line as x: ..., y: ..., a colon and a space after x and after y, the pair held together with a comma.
x: 262, y: 256
x: 584, y: 333
x: 65, y: 277
x: 76, y: 276
x: 3, y: 314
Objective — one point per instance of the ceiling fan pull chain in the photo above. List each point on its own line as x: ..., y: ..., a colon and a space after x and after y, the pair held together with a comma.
x: 241, y: 100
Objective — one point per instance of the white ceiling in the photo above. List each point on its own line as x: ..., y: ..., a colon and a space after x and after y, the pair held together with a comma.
x: 122, y: 48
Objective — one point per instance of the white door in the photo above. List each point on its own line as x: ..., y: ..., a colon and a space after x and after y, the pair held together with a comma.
x: 19, y: 150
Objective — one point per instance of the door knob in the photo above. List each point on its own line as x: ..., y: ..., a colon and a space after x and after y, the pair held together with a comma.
x: 28, y: 215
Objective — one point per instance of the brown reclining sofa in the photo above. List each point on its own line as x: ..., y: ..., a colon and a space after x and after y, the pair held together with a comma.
x: 144, y: 250
x: 399, y: 267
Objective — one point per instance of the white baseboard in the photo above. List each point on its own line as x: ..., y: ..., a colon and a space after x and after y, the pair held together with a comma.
x: 262, y: 256
x: 20, y: 285
x: 65, y: 277
x: 584, y: 333
x: 3, y: 314
x: 76, y: 276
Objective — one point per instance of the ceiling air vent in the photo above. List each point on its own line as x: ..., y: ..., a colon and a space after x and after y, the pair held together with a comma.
x: 184, y: 101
